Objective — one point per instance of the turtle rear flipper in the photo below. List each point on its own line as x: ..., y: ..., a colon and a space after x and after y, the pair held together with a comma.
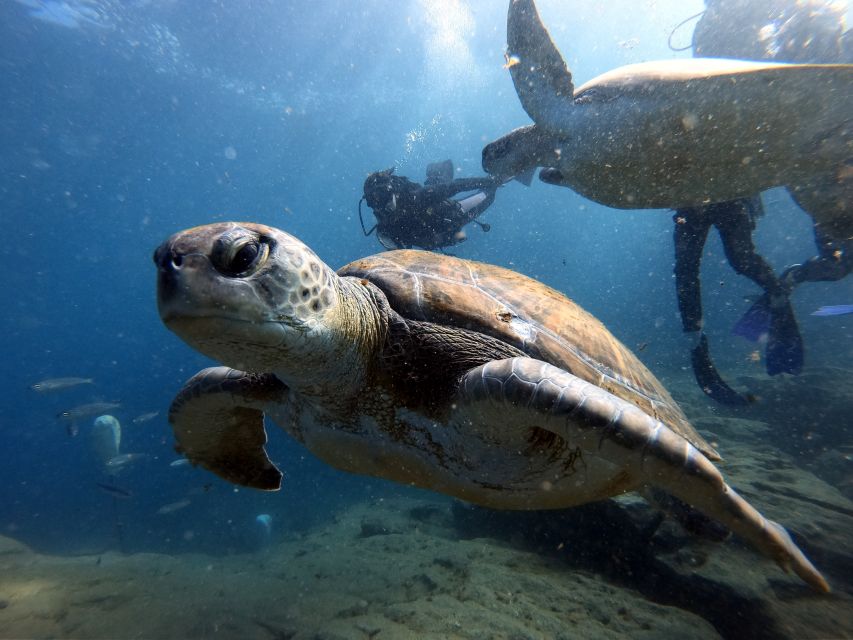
x: 218, y: 421
x: 624, y: 448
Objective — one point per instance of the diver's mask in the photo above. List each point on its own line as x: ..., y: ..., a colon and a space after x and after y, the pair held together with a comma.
x: 378, y: 189
x: 378, y: 194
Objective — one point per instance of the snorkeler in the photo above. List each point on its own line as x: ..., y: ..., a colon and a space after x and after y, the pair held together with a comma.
x: 427, y: 216
x: 780, y: 30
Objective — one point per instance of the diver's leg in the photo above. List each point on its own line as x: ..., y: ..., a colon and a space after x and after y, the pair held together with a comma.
x: 784, y: 352
x: 691, y: 231
x: 735, y: 225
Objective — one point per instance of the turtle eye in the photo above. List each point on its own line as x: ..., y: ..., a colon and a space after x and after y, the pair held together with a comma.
x: 245, y: 257
x: 239, y: 256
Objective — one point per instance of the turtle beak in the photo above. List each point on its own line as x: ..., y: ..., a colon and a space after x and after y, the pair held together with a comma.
x: 173, y: 264
x: 168, y: 263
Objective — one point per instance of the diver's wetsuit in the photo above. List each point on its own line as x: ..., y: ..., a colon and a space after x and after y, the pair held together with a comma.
x: 411, y: 215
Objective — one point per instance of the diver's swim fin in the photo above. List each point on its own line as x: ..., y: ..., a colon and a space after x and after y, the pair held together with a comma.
x: 709, y: 379
x: 755, y: 323
x: 834, y: 310
x: 439, y: 172
x: 784, y: 344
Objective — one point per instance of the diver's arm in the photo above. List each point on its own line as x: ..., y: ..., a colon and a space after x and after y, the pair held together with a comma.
x: 446, y: 190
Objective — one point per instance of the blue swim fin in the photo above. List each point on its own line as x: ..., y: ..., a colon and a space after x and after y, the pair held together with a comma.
x: 834, y: 310
x: 755, y: 323
x: 784, y: 344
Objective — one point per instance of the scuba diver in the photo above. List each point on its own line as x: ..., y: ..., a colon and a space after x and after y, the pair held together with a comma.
x: 427, y: 216
x: 782, y: 31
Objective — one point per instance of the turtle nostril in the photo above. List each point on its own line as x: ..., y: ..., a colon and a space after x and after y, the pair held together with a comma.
x: 167, y: 259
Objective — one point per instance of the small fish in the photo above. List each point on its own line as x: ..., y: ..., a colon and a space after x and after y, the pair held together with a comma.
x: 145, y: 417
x: 642, y: 346
x: 173, y: 506
x: 114, y: 491
x: 117, y: 462
x: 87, y: 410
x: 834, y: 310
x: 180, y: 462
x: 58, y: 384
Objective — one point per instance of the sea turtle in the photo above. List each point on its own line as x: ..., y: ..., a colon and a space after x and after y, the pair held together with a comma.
x: 676, y: 133
x: 451, y: 375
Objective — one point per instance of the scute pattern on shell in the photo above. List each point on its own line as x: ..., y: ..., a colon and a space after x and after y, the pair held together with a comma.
x: 525, y: 313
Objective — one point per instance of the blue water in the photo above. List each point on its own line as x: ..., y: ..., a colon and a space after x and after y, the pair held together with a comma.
x: 125, y: 122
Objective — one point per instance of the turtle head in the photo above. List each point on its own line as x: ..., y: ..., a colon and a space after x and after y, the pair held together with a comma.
x: 250, y: 296
x: 518, y: 152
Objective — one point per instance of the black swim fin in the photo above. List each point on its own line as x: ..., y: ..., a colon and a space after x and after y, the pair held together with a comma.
x: 709, y: 379
x: 439, y: 172
x: 784, y: 344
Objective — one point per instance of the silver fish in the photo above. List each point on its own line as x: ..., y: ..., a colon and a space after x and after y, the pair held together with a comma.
x: 173, y: 506
x: 180, y: 462
x: 119, y: 461
x: 145, y: 417
x: 58, y: 384
x: 87, y: 410
x: 114, y: 491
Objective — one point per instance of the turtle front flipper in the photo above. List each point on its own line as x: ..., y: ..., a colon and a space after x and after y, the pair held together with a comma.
x: 624, y: 448
x: 218, y: 421
x: 540, y: 75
